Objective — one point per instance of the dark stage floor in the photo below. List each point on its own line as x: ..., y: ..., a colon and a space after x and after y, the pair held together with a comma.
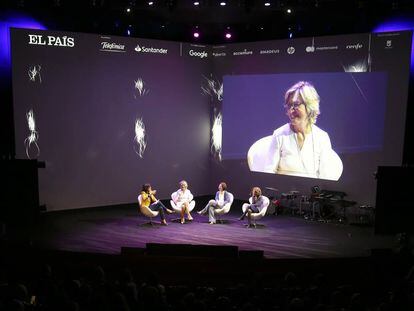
x: 106, y: 230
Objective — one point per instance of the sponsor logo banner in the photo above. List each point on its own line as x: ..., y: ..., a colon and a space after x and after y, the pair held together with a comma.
x: 152, y: 50
x: 388, y: 44
x: 355, y: 46
x: 200, y: 54
x: 269, y: 51
x: 112, y: 47
x: 242, y: 53
x: 388, y: 34
x: 290, y: 50
x: 311, y: 49
x: 61, y: 41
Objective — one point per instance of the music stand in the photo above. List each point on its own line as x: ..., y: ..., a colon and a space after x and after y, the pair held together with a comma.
x: 343, y: 204
x: 271, y: 193
x: 290, y: 198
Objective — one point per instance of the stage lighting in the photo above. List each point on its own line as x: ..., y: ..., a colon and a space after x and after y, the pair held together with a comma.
x: 222, y: 3
x: 150, y: 2
x: 196, y: 32
x: 16, y: 21
x: 267, y: 4
x: 128, y: 10
x: 196, y: 3
x: 228, y: 35
x: 289, y: 11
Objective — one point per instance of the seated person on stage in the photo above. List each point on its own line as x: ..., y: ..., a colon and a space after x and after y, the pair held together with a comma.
x: 149, y: 200
x: 182, y: 198
x: 255, y: 207
x: 222, y: 198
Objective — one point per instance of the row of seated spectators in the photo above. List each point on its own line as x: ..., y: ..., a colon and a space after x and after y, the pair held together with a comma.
x: 93, y: 286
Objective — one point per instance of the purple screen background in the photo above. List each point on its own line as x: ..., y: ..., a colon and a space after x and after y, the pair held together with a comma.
x: 85, y: 110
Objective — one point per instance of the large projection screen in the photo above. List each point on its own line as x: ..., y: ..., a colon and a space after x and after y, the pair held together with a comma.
x: 107, y: 114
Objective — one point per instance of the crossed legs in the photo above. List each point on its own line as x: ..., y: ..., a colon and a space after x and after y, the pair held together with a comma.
x: 248, y: 210
x: 158, y: 206
x: 185, y: 209
x: 210, y: 208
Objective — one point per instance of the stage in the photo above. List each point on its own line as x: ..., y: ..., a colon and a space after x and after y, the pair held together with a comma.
x: 107, y: 229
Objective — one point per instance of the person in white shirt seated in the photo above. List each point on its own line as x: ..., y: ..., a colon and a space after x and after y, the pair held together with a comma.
x: 221, y: 199
x: 182, y: 198
x: 298, y: 148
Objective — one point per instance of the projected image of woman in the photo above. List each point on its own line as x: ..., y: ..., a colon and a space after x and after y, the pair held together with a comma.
x: 298, y: 148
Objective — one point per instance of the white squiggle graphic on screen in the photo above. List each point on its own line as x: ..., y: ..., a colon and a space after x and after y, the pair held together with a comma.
x: 31, y: 141
x: 360, y: 66
x: 139, y: 86
x: 139, y: 139
x: 34, y: 73
x: 216, y: 135
x: 213, y: 88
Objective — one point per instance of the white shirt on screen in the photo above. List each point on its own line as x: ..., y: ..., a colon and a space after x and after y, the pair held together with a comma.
x: 280, y: 153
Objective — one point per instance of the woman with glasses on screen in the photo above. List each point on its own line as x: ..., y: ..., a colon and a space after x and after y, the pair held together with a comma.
x: 298, y: 148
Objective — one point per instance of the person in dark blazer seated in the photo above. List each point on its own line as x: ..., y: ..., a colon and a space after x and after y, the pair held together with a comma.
x: 255, y: 207
x: 221, y: 199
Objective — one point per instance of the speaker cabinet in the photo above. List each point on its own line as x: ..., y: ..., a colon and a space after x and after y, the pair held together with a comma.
x: 19, y: 198
x: 394, y: 200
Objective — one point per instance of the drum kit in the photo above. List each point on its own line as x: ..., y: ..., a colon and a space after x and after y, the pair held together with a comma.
x: 320, y: 205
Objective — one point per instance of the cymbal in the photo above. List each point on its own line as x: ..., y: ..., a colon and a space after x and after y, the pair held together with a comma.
x: 270, y: 188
